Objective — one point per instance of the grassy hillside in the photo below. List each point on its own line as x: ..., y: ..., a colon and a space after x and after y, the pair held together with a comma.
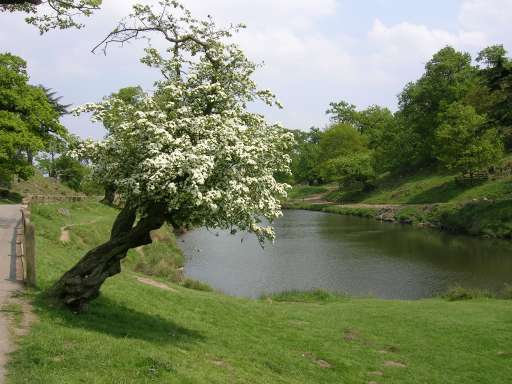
x: 40, y: 185
x: 36, y: 185
x: 140, y: 333
x: 302, y: 191
x: 426, y: 187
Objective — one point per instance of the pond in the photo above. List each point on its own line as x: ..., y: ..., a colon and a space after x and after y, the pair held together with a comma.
x: 356, y: 256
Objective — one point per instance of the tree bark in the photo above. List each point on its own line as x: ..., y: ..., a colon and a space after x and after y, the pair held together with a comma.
x: 82, y: 283
x: 30, y: 157
x: 110, y: 195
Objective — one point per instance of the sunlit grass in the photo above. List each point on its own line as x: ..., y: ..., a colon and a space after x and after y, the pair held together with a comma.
x: 137, y: 333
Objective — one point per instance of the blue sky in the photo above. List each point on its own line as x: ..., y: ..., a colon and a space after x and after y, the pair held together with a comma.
x: 315, y: 51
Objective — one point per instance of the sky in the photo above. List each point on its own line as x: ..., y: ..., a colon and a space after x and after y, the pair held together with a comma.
x: 314, y: 51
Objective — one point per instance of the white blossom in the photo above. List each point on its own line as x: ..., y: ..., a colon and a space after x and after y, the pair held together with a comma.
x: 193, y: 145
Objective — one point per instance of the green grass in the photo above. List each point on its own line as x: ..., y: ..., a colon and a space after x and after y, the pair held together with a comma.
x: 359, y: 212
x: 40, y: 185
x: 491, y: 219
x: 135, y: 333
x: 303, y: 191
x: 313, y: 296
x: 426, y: 187
x: 15, y: 311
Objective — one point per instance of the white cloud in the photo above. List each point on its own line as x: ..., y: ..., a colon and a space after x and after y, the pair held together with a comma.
x: 490, y: 17
x: 306, y: 63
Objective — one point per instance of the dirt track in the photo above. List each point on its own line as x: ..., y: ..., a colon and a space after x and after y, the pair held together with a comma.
x: 9, y: 217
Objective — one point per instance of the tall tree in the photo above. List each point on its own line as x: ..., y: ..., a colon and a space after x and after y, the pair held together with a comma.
x: 306, y: 157
x: 343, y: 112
x: 191, y: 154
x: 464, y: 143
x: 27, y: 118
x: 113, y: 118
x: 447, y: 79
x: 338, y: 141
x: 496, y: 72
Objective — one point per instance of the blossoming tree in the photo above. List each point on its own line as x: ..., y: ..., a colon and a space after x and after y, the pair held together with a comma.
x: 50, y: 14
x: 189, y: 154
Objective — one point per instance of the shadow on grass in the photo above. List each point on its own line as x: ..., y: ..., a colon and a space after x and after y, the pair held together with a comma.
x: 440, y: 194
x: 111, y: 318
x: 490, y: 218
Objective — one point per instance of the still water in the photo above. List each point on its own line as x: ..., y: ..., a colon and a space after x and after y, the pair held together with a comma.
x: 346, y: 254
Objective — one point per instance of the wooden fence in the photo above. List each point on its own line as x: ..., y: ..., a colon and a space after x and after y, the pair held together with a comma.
x: 27, y: 249
x: 26, y: 234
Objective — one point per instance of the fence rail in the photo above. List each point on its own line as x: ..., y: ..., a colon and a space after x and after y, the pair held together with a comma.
x: 26, y: 234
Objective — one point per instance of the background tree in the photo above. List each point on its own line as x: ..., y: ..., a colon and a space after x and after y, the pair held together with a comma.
x: 113, y: 118
x: 55, y: 142
x: 306, y: 157
x: 343, y: 112
x: 353, y: 172
x: 27, y: 118
x: 464, y: 143
x: 191, y: 154
x: 338, y: 141
x: 71, y: 172
x: 448, y: 78
x: 496, y: 73
x: 51, y: 14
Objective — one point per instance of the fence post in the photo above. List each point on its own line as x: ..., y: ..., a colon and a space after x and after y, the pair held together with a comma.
x: 30, y: 254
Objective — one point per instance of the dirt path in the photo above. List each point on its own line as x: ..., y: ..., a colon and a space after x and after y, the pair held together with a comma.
x: 64, y: 231
x: 9, y: 218
x: 320, y: 199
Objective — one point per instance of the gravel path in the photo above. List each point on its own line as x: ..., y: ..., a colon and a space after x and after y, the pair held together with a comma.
x: 9, y: 218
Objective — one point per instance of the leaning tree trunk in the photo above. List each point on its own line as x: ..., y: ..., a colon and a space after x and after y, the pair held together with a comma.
x: 82, y: 283
x: 110, y: 194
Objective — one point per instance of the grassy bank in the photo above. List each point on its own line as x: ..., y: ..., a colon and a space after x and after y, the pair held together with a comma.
x: 427, y: 198
x: 302, y: 191
x: 165, y: 333
x: 492, y: 219
x: 426, y: 187
x: 40, y: 185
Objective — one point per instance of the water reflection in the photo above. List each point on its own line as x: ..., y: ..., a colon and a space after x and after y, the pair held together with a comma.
x: 346, y: 254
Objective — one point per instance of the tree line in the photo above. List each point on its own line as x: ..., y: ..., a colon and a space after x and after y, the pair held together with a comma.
x: 31, y: 135
x: 456, y: 116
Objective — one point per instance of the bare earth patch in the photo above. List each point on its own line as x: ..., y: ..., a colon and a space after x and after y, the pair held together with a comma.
x: 64, y: 231
x: 321, y: 363
x: 156, y: 284
x: 394, y: 364
x: 28, y: 318
x: 351, y: 335
x: 64, y: 234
